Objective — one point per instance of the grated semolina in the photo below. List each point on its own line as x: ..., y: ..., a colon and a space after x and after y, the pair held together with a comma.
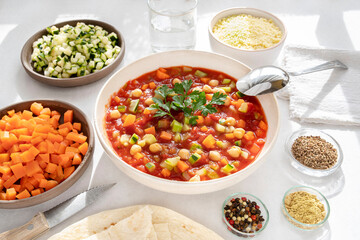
x: 247, y: 32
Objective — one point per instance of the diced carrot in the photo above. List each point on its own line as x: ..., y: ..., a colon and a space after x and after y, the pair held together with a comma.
x: 83, y: 148
x: 263, y: 125
x: 77, y: 126
x: 229, y: 136
x: 200, y: 120
x: 205, y: 79
x: 67, y: 125
x: 37, y: 140
x: 150, y: 130
x: 254, y: 149
x: 161, y: 75
x: 55, y: 113
x: 152, y: 85
x: 182, y: 166
x: 42, y: 147
x: 249, y: 135
x: 10, y: 194
x: 8, y: 139
x: 36, y: 108
x: 5, y: 169
x: 35, y: 192
x: 165, y: 135
x: 129, y: 120
x: 241, y: 123
x: 68, y: 116
x: 9, y: 182
x: 32, y: 168
x: 146, y: 111
x: 28, y: 186
x: 51, y: 184
x: 65, y: 161
x: 77, y: 159
x: 68, y: 171
x: 55, y: 137
x: 24, y: 147
x: 203, y: 129
x: 165, y: 172
x: 45, y: 111
x: 144, y: 87
x: 224, y: 162
x: 4, y: 157
x: 2, y: 196
x: 23, y: 194
x: 27, y: 115
x: 43, y: 183
x: 27, y: 156
x: 11, y: 112
x: 260, y: 133
x: 24, y: 138
x: 18, y: 170
x: 208, y: 97
x: 209, y: 141
x: 51, y: 167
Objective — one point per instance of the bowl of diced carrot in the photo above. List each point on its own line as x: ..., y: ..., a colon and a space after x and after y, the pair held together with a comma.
x: 45, y: 147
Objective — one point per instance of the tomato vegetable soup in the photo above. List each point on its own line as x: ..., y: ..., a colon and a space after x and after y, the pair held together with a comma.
x: 185, y: 123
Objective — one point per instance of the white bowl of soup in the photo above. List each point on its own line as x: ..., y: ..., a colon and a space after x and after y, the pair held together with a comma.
x: 175, y: 122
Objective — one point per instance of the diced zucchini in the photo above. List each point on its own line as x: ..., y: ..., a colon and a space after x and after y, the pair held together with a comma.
x: 244, y: 154
x: 201, y: 172
x: 257, y: 116
x: 232, y: 85
x: 134, y: 138
x: 199, y: 73
x: 219, y: 128
x: 163, y: 123
x: 176, y: 126
x: 172, y: 161
x: 194, y: 158
x: 212, y: 174
x: 163, y: 164
x: 237, y: 143
x: 226, y: 81
x: 186, y: 128
x: 226, y: 89
x: 195, y: 178
x: 141, y: 143
x: 221, y: 144
x: 149, y: 139
x: 243, y: 107
x: 186, y: 120
x: 177, y: 137
x: 186, y: 176
x: 121, y: 108
x: 134, y: 105
x: 227, y: 168
x: 150, y: 166
x: 240, y: 94
x: 195, y: 146
x: 222, y: 121
x: 187, y: 69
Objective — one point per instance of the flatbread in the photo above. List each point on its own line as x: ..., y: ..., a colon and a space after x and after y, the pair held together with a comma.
x: 146, y: 222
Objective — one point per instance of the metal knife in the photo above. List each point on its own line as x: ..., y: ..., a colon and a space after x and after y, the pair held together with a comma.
x: 43, y: 221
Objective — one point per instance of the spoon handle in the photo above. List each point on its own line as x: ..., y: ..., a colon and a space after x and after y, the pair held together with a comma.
x: 321, y: 67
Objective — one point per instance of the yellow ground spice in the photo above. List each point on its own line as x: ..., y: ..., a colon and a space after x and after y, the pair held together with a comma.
x: 305, y: 207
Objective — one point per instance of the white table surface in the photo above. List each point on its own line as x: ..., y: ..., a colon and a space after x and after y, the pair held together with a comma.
x: 332, y: 24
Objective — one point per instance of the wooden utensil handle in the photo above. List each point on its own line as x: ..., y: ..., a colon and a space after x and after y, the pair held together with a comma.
x: 31, y: 229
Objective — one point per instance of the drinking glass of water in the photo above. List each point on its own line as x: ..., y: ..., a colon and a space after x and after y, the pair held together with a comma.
x: 172, y: 24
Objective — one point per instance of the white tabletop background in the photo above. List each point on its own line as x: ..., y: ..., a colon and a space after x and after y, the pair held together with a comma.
x: 327, y: 23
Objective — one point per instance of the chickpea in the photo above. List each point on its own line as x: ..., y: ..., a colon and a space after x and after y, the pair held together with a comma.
x: 230, y: 121
x: 176, y: 80
x: 239, y: 133
x: 229, y: 129
x: 149, y: 101
x: 234, y: 151
x: 227, y: 101
x: 115, y: 114
x: 136, y: 93
x: 155, y: 147
x: 219, y: 90
x: 214, y: 155
x: 207, y: 89
x: 115, y: 134
x: 184, y: 154
x: 135, y: 149
x: 214, y: 83
x: 197, y: 89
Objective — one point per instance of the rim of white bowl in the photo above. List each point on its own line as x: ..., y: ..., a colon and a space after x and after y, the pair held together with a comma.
x: 212, y: 23
x: 108, y: 149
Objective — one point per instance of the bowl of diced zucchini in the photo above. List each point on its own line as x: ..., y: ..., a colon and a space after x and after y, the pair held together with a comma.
x: 73, y: 53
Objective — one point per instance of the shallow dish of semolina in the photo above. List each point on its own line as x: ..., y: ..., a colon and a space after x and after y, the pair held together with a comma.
x: 250, y: 35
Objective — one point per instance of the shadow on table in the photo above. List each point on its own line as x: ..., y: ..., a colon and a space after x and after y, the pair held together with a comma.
x: 330, y: 185
x: 322, y: 233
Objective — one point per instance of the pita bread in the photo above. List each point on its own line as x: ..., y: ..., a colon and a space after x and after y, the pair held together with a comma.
x: 146, y: 222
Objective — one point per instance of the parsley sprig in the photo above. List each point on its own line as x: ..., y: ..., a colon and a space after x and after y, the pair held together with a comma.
x: 182, y: 100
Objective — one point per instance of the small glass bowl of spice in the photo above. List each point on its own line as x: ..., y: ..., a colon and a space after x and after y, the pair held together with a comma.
x: 314, y: 152
x: 305, y: 207
x: 245, y: 215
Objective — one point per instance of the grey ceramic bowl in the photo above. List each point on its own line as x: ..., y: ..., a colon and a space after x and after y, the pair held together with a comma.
x: 74, y: 81
x: 79, y: 116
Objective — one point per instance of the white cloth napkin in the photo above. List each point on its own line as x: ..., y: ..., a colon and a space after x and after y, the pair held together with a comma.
x: 330, y: 96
